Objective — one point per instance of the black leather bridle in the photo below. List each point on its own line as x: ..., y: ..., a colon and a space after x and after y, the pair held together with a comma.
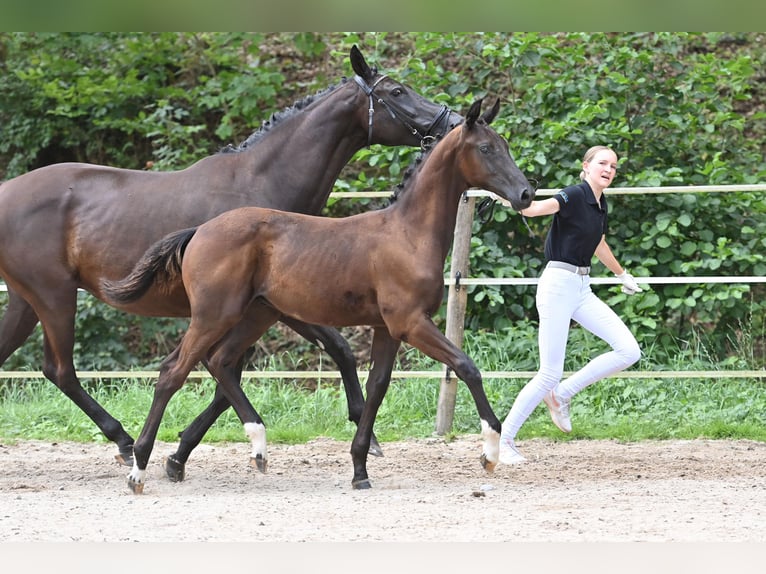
x: 425, y: 139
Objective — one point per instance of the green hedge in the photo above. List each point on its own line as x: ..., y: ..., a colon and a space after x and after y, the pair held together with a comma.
x: 680, y: 109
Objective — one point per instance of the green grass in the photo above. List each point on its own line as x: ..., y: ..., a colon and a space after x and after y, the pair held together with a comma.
x: 620, y: 408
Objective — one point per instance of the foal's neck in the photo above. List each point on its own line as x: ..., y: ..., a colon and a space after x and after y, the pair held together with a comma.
x: 432, y: 200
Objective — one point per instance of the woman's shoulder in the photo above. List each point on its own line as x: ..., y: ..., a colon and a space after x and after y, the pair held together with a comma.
x: 572, y: 192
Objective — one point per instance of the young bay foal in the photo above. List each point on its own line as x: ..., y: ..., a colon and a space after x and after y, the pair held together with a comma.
x: 384, y: 268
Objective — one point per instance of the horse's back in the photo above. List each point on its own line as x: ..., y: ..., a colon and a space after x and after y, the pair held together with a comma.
x: 78, y: 221
x: 62, y: 184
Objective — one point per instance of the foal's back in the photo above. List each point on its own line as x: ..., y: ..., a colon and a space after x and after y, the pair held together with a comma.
x: 320, y: 270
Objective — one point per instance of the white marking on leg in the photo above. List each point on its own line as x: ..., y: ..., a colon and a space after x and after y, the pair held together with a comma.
x: 491, y: 442
x: 137, y: 476
x: 257, y: 434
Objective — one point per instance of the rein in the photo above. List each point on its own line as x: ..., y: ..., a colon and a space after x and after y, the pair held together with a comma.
x: 425, y: 140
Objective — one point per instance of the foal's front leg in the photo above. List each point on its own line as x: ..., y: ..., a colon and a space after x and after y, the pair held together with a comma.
x: 330, y: 340
x: 426, y: 337
x: 383, y: 353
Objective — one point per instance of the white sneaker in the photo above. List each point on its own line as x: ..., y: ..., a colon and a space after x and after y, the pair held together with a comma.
x: 509, y: 454
x: 559, y: 411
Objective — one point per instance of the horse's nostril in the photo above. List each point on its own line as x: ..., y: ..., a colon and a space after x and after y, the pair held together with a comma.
x: 525, y: 194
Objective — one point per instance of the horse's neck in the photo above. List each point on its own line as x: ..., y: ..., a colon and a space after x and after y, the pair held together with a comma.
x: 310, y: 148
x: 431, y: 203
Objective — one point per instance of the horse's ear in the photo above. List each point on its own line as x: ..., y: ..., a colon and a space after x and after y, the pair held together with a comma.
x: 359, y: 64
x: 473, y: 113
x: 490, y: 114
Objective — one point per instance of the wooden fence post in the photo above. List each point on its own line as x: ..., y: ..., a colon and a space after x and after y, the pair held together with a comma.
x: 456, y: 302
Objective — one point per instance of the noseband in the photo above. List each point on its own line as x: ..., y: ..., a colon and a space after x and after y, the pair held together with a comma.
x: 425, y: 140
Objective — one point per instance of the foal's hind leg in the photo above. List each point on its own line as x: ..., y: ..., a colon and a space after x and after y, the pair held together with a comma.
x: 175, y: 464
x: 56, y: 312
x: 200, y: 337
x: 17, y: 324
x: 330, y: 340
x: 225, y: 364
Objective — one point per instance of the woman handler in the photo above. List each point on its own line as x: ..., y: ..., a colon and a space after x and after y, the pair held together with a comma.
x: 577, y: 233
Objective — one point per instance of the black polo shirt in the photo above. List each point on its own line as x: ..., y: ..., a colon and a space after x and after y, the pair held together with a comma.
x: 577, y: 227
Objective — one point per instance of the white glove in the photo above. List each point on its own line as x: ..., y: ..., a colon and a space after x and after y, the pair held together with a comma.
x: 629, y: 285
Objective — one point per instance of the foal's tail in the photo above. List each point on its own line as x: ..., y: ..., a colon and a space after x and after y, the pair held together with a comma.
x: 160, y: 265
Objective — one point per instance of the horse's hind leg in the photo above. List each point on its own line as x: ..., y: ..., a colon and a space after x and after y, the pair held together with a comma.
x: 17, y: 324
x: 330, y: 340
x: 56, y: 312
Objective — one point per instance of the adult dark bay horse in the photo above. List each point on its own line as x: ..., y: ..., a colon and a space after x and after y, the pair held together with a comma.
x: 70, y: 226
x: 246, y: 268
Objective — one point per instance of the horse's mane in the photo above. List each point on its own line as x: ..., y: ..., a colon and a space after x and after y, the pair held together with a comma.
x: 413, y: 168
x: 278, y: 117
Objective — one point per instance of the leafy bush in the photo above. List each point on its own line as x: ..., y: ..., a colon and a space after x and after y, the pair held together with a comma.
x: 679, y: 108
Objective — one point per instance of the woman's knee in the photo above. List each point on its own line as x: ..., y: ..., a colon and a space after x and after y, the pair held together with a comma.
x: 547, y: 378
x: 630, y: 352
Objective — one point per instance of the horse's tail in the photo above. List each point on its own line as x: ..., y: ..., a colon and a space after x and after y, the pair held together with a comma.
x: 160, y: 265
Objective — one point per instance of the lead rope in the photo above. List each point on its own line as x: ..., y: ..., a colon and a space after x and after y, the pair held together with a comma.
x: 523, y: 218
x: 526, y: 224
x: 488, y: 204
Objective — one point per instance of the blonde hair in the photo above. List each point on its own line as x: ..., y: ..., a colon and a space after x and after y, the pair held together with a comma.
x: 590, y: 154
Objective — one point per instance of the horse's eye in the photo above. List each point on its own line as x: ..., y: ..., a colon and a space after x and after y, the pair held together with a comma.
x: 484, y: 148
x: 397, y: 92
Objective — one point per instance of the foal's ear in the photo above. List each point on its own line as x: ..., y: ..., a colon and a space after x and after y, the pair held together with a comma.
x: 359, y: 64
x: 490, y: 114
x: 473, y: 113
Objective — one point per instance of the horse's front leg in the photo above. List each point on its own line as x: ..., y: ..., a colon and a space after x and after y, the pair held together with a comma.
x: 426, y: 337
x: 330, y: 340
x: 383, y: 353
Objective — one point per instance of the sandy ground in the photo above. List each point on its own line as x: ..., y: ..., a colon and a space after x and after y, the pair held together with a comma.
x: 426, y: 490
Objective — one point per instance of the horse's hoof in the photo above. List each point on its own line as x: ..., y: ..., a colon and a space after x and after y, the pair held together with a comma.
x: 486, y: 464
x: 136, y: 487
x: 363, y: 484
x: 258, y: 462
x: 125, y: 456
x: 375, y: 449
x: 175, y: 471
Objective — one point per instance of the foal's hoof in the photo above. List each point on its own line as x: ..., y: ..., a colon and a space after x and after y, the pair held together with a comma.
x: 175, y: 471
x: 136, y: 487
x: 258, y: 462
x: 486, y: 464
x: 375, y: 449
x: 363, y: 484
x: 125, y: 456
